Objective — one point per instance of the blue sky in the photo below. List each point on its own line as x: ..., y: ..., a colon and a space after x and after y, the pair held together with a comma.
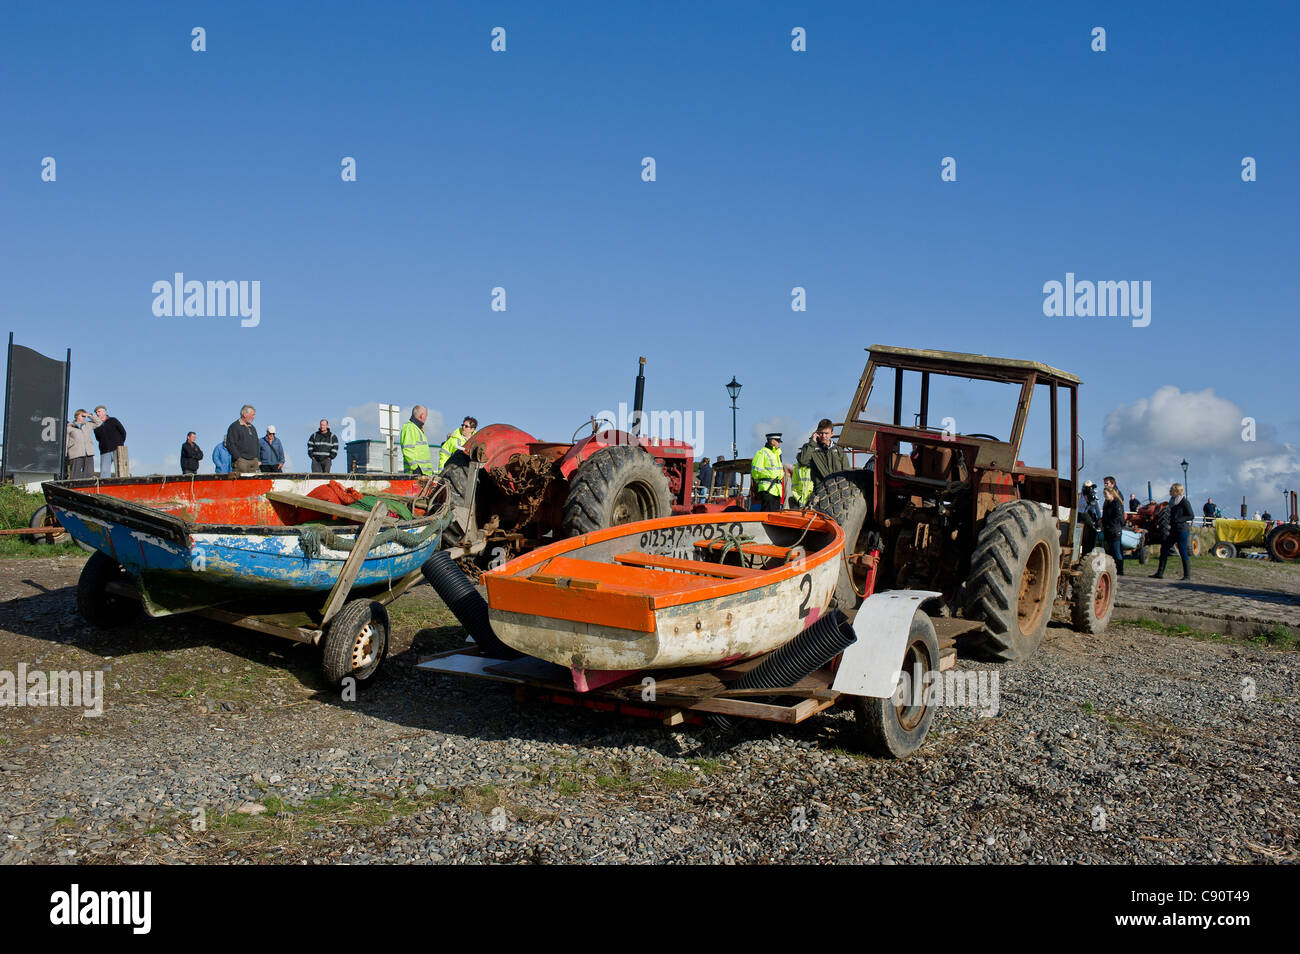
x: 775, y: 169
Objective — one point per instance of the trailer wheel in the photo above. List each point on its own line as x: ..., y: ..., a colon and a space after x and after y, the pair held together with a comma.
x: 1225, y: 550
x: 1194, y: 545
x: 1012, y: 582
x: 1142, y: 554
x: 844, y: 497
x: 97, y: 605
x: 43, y: 517
x: 895, y: 729
x: 1283, y: 543
x: 613, y: 486
x: 1094, y: 594
x: 356, y: 642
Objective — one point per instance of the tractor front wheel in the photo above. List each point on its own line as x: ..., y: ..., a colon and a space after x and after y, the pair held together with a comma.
x: 613, y: 486
x: 845, y: 498
x: 1094, y: 594
x: 1012, y: 582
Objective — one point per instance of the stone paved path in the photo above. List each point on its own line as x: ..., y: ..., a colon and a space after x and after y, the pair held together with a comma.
x: 1215, y: 606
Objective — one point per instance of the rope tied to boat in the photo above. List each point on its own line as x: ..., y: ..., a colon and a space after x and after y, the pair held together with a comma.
x: 315, y: 537
x: 733, y: 541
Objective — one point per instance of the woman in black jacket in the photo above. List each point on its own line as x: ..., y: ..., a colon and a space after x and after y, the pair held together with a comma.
x: 1112, y: 525
x: 1180, y: 524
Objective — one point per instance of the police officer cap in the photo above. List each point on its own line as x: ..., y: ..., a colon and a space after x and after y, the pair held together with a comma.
x: 777, y: 436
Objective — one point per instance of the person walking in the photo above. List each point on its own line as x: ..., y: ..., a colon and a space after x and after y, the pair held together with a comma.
x: 191, y: 454
x: 241, y: 441
x: 1112, y: 526
x: 221, y: 459
x: 416, y: 458
x: 81, y: 446
x: 110, y: 435
x: 270, y: 452
x: 322, y: 448
x: 767, y: 473
x: 1181, y: 516
x: 456, y: 440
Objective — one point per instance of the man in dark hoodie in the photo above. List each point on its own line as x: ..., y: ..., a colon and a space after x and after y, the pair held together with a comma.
x: 241, y: 441
x: 322, y: 448
x: 110, y: 435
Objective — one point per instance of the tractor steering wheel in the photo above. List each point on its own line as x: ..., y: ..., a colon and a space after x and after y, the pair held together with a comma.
x: 983, y: 437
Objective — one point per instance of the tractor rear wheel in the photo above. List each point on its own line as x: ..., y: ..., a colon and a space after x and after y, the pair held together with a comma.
x: 613, y: 486
x: 1012, y: 582
x: 844, y: 497
x: 1094, y: 594
x: 1283, y: 543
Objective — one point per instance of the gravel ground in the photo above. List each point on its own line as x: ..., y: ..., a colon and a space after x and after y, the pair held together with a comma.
x: 1129, y: 747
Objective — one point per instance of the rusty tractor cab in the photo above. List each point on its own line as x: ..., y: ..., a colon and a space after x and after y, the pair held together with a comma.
x: 730, y: 489
x: 511, y: 492
x: 961, y: 513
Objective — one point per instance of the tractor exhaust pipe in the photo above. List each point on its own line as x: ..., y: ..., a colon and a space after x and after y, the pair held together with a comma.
x: 638, y: 402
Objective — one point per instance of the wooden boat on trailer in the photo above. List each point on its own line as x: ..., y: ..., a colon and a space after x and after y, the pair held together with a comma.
x: 695, y: 590
x: 708, y: 618
x: 278, y: 553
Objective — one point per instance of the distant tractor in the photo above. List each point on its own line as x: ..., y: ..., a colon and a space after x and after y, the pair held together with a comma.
x: 959, y: 513
x: 510, y: 491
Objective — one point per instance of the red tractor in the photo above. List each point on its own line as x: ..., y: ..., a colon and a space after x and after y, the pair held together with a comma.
x: 955, y: 511
x: 511, y: 492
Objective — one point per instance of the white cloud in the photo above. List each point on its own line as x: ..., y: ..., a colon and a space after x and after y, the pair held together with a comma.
x: 793, y: 433
x: 1148, y: 440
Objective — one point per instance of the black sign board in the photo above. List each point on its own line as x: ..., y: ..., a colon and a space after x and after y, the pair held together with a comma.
x: 36, y: 412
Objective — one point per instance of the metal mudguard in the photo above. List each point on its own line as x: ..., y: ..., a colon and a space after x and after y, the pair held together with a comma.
x: 870, y: 667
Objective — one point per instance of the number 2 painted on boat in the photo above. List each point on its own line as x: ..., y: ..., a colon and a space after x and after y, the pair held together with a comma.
x: 803, y: 607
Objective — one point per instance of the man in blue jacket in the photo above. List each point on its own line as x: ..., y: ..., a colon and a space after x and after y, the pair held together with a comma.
x: 270, y: 452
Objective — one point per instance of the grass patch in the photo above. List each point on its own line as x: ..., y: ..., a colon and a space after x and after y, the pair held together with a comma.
x: 338, y: 806
x: 707, y: 766
x: 16, y: 509
x: 1277, y: 637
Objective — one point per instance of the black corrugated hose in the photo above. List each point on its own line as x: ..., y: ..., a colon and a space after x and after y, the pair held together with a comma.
x: 806, y: 653
x: 465, y: 603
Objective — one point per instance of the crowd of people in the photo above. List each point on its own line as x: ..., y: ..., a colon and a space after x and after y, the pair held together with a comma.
x: 89, y: 432
x: 243, y: 450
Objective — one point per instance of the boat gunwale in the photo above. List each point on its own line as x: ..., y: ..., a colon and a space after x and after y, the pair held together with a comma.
x: 776, y: 575
x: 134, y: 515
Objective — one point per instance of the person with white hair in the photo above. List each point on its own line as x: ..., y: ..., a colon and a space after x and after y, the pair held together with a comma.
x: 241, y: 441
x: 416, y: 457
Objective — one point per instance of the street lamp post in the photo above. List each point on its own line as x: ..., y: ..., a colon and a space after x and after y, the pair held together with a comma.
x: 733, y: 389
x: 1185, y: 493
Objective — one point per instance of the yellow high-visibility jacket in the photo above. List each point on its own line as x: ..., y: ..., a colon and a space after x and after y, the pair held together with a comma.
x: 454, y: 442
x: 415, y: 449
x: 766, y: 471
x: 801, y: 484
